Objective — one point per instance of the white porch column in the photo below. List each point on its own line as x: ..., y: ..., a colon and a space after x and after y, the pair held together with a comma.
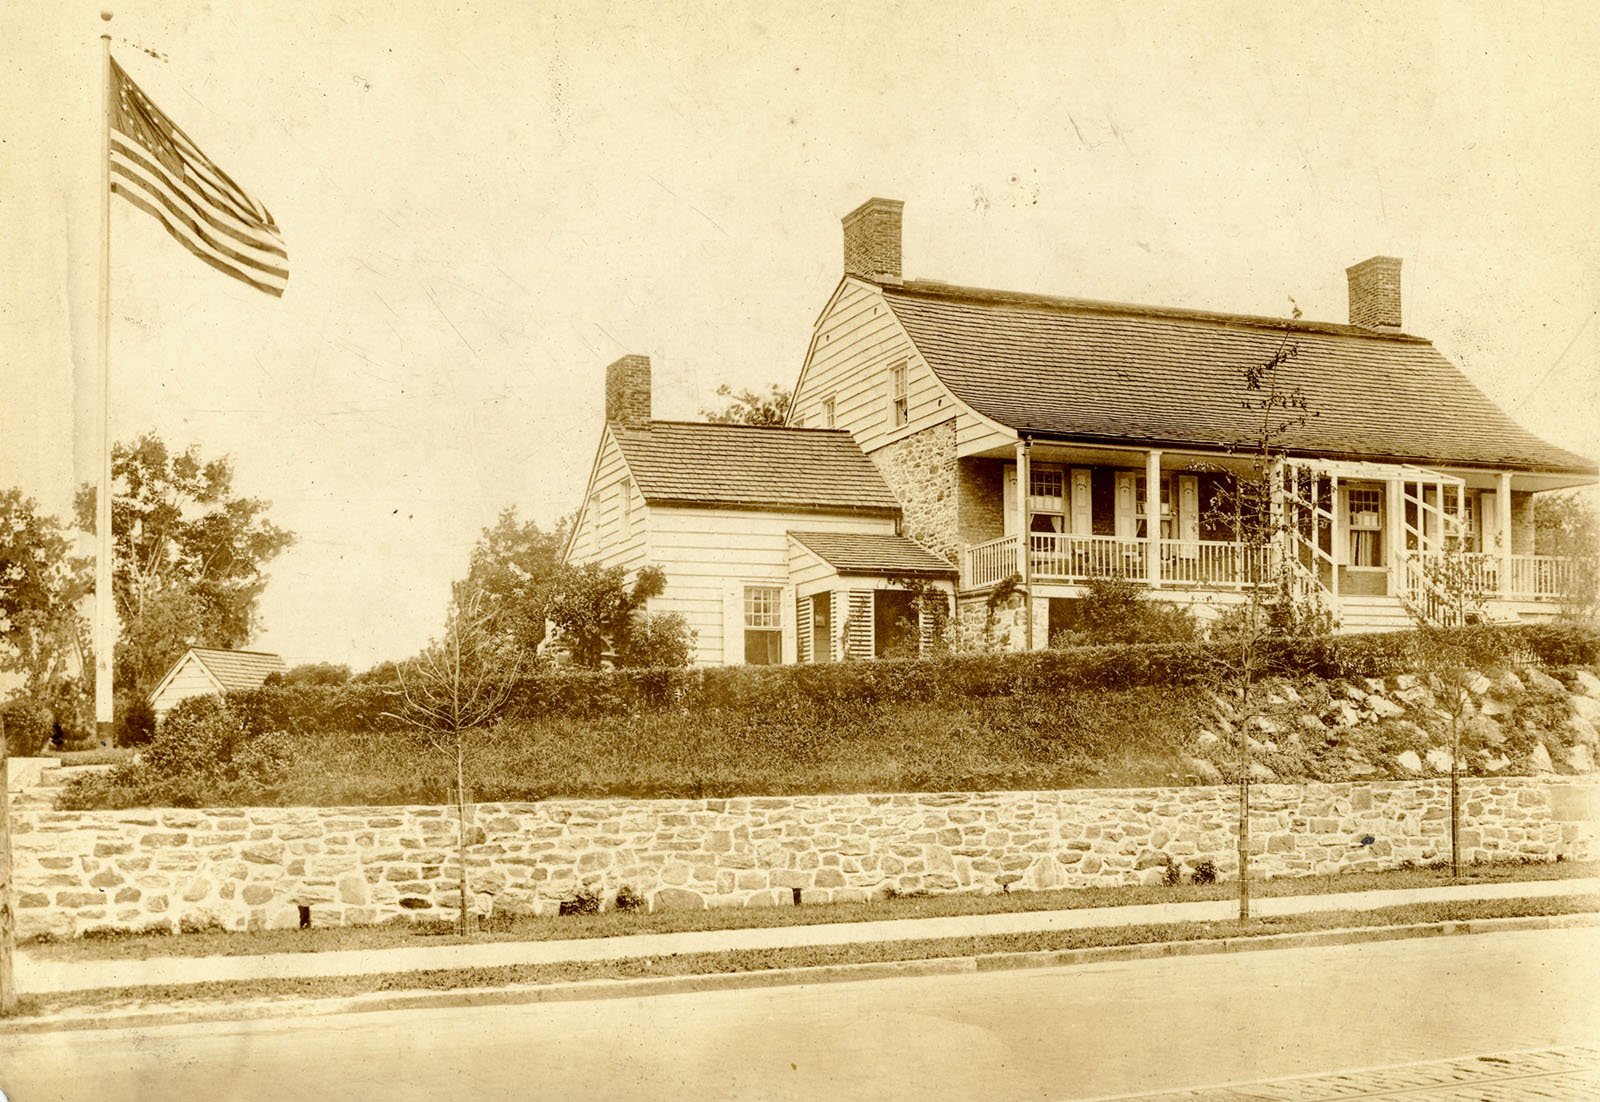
x: 1337, y: 540
x: 1502, y: 505
x: 1025, y: 538
x: 1394, y: 531
x: 1152, y: 516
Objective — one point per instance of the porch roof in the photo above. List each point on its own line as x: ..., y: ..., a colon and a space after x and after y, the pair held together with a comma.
x: 875, y: 554
x: 1072, y: 369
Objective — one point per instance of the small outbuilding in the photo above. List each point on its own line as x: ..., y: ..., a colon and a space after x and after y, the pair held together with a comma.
x: 203, y: 670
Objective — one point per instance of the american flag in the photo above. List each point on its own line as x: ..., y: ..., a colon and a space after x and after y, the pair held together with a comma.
x: 157, y: 168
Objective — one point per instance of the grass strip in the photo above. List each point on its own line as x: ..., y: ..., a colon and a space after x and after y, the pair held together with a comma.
x: 116, y: 946
x: 758, y: 960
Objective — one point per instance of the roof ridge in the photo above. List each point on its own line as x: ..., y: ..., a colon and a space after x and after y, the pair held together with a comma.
x: 235, y: 650
x: 731, y: 425
x: 931, y: 288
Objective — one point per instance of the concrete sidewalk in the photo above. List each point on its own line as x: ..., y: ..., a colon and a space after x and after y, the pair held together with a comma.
x: 35, y: 975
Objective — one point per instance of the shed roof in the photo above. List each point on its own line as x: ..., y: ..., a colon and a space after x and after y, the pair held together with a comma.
x: 750, y: 466
x: 874, y: 553
x: 1099, y: 371
x: 238, y: 669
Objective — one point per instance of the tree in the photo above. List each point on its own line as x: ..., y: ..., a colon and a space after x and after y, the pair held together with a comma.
x: 1251, y: 502
x: 1455, y: 589
x: 513, y: 566
x: 40, y: 585
x: 454, y: 688
x: 1568, y: 525
x: 312, y: 673
x: 747, y: 407
x: 188, y: 559
x: 594, y: 608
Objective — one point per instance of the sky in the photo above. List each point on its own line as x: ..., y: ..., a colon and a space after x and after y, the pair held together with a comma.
x: 486, y: 203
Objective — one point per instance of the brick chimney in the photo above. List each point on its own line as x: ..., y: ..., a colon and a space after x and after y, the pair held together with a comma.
x: 1375, y: 293
x: 628, y: 391
x: 872, y: 241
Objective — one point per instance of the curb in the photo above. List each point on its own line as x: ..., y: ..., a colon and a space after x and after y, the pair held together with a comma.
x: 781, y: 977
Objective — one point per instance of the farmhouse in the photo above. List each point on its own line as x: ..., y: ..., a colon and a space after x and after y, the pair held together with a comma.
x: 1036, y: 442
x: 204, y: 670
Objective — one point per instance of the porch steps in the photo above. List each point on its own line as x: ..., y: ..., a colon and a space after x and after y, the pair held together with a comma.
x: 1373, y: 614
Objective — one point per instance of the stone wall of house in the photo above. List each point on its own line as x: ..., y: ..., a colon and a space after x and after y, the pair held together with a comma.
x: 252, y: 868
x: 1522, y: 538
x: 980, y: 500
x: 921, y: 472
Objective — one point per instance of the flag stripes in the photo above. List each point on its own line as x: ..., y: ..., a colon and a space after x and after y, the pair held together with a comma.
x: 159, y: 169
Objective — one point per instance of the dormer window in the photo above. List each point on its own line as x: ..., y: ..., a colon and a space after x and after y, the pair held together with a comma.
x: 899, y: 400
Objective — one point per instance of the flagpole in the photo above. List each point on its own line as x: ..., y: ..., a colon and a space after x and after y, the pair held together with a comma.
x: 105, y: 612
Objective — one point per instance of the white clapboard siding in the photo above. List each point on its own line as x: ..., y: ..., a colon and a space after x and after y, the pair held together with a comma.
x: 709, y: 555
x: 189, y: 680
x: 858, y: 621
x: 611, y: 528
x: 857, y: 340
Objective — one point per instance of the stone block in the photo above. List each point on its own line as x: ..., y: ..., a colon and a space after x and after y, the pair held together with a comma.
x: 677, y: 899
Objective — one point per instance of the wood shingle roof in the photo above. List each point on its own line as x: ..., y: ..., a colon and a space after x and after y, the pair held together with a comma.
x: 807, y: 470
x: 1090, y: 371
x: 238, y: 669
x: 874, y: 553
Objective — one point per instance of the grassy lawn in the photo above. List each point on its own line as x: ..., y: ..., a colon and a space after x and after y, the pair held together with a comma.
x: 549, y: 928
x: 690, y: 964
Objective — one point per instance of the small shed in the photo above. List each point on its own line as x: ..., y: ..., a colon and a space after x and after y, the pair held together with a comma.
x: 203, y: 670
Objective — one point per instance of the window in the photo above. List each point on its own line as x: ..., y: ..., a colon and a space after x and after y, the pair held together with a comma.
x: 827, y: 412
x: 1366, y: 526
x: 1142, y: 510
x: 899, y: 402
x: 1047, y: 499
x: 763, y: 625
x: 1468, y: 518
x: 625, y: 508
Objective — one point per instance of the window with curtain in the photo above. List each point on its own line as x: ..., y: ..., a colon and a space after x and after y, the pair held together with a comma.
x: 1365, y: 523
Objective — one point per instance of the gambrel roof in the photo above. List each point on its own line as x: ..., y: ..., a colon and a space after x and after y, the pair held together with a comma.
x: 874, y: 553
x: 1072, y: 369
x: 749, y: 466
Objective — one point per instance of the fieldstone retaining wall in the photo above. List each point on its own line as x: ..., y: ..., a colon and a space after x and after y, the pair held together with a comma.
x: 255, y: 867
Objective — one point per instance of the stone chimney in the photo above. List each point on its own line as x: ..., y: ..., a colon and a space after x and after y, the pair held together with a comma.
x: 872, y: 241
x: 1375, y: 293
x: 628, y: 391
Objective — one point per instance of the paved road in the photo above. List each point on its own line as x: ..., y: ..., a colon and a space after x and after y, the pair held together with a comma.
x: 1066, y: 1033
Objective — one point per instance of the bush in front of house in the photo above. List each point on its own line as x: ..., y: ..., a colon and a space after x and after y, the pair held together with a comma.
x: 203, y: 753
x: 1087, y: 717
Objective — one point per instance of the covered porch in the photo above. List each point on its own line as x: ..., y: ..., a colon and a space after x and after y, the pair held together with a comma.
x: 1349, y: 529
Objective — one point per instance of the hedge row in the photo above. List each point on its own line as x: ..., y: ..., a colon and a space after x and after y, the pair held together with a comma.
x: 838, y: 690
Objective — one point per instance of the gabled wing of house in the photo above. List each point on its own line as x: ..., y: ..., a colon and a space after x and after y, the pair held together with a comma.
x: 714, y: 507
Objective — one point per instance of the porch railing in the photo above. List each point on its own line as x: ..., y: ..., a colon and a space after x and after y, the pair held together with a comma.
x: 1533, y: 577
x: 1216, y: 564
x: 1543, y: 577
x: 1061, y: 557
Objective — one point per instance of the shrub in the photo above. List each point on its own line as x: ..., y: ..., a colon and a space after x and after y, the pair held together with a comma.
x: 630, y: 900
x: 1119, y: 610
x: 135, y: 721
x: 1205, y: 872
x: 585, y: 902
x: 28, y: 725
